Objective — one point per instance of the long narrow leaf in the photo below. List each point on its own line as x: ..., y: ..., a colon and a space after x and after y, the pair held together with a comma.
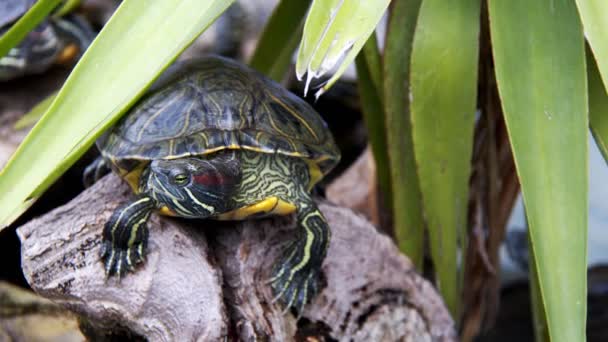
x: 540, y: 69
x: 407, y: 208
x: 594, y: 14
x: 139, y: 41
x: 373, y: 59
x: 443, y: 97
x: 67, y: 7
x: 539, y: 316
x: 373, y: 114
x: 598, y: 106
x: 30, y: 118
x: 34, y: 16
x: 334, y: 32
x: 280, y: 39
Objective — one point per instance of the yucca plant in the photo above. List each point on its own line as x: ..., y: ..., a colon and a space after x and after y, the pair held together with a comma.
x: 421, y: 106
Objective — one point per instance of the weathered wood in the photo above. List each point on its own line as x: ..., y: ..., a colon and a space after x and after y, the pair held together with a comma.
x: 26, y: 317
x: 206, y: 280
x: 176, y: 297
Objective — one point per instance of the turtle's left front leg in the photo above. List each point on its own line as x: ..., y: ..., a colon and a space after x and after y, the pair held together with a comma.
x: 97, y: 169
x: 295, y: 278
x: 125, y: 236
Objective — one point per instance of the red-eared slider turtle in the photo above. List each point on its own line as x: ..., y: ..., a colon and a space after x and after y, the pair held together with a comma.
x: 55, y: 40
x: 215, y: 139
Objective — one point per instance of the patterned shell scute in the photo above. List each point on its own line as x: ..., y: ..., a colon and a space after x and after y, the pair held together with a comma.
x: 210, y: 104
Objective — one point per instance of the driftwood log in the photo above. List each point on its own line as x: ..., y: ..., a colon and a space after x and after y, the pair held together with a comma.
x: 205, y: 280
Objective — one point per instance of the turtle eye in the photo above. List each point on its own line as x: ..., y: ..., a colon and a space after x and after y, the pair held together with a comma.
x: 180, y: 179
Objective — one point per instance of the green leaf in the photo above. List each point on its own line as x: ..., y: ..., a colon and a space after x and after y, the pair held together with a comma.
x: 280, y: 39
x: 373, y: 59
x: 539, y: 316
x: 34, y: 16
x: 373, y: 114
x: 30, y: 118
x: 598, y: 106
x: 138, y: 43
x: 67, y: 7
x: 334, y: 32
x: 540, y: 69
x: 594, y: 14
x: 443, y: 99
x: 407, y: 209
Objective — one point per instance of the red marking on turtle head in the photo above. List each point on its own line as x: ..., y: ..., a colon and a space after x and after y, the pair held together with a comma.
x: 209, y: 179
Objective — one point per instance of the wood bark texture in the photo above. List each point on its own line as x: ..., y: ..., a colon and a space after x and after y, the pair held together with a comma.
x: 205, y: 280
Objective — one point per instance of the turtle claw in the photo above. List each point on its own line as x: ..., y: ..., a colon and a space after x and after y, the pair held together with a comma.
x: 119, y: 261
x: 293, y: 289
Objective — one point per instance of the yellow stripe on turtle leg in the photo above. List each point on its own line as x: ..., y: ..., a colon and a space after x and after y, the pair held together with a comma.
x: 126, y: 229
x: 310, y: 237
x: 295, y: 278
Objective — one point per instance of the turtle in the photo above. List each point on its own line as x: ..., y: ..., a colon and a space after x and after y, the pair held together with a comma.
x: 215, y: 139
x: 56, y: 40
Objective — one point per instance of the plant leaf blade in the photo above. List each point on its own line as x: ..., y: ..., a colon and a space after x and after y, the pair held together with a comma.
x: 443, y: 98
x: 31, y: 117
x: 373, y: 115
x: 334, y: 32
x: 598, y: 106
x: 540, y: 69
x: 274, y: 52
x: 594, y: 15
x: 407, y: 208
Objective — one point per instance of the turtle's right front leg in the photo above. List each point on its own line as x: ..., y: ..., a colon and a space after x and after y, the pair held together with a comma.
x: 125, y: 236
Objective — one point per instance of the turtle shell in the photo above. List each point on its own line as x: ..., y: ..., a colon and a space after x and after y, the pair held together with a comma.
x: 210, y: 104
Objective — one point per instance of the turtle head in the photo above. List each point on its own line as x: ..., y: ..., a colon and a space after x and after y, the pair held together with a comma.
x: 194, y: 187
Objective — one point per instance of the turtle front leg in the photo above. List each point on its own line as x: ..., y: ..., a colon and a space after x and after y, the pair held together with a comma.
x: 125, y: 236
x: 295, y: 277
x: 97, y: 169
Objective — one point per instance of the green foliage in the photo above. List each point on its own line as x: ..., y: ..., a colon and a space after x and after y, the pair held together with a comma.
x: 373, y: 114
x: 373, y: 60
x: 443, y: 97
x: 67, y: 7
x: 280, y: 38
x: 334, y: 32
x: 540, y: 69
x: 407, y: 207
x: 598, y: 106
x: 594, y: 14
x: 30, y: 118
